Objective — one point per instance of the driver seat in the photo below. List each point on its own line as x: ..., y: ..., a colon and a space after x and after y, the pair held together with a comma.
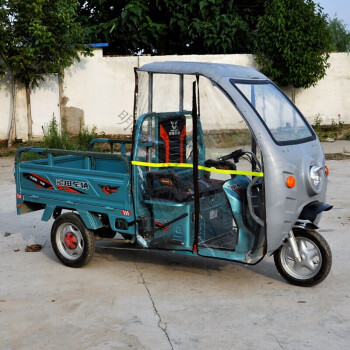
x: 172, y: 137
x: 177, y: 184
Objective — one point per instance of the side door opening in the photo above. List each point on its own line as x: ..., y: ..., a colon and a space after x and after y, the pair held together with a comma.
x: 186, y: 197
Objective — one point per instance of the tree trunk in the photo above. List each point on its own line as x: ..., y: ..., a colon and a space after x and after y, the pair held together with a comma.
x: 294, y: 112
x: 29, y: 113
x: 12, y: 135
x: 62, y: 102
x: 293, y: 94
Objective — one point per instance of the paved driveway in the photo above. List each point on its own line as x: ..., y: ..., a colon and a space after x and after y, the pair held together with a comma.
x: 152, y: 300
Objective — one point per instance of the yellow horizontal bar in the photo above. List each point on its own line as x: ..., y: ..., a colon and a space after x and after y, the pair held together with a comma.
x: 162, y: 165
x: 233, y: 172
x: 200, y: 167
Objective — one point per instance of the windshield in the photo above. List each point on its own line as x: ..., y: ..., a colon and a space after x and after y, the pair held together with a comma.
x: 281, y: 118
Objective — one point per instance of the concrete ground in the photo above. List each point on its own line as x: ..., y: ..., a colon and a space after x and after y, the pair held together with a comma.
x: 340, y: 146
x: 154, y: 300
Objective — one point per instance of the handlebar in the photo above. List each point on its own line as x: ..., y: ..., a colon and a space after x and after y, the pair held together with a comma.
x: 235, y: 155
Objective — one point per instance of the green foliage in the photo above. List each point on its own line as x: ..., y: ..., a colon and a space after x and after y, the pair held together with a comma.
x: 338, y: 123
x: 85, y: 137
x: 26, y: 156
x: 171, y: 26
x: 340, y: 37
x: 4, y: 36
x: 291, y: 42
x: 216, y: 29
x: 55, y: 137
x: 317, y: 121
x: 337, y: 130
x: 39, y: 37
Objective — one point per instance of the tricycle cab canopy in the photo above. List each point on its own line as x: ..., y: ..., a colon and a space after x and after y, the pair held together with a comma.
x: 223, y: 102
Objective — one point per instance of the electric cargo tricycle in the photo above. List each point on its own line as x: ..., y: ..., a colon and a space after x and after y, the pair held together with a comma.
x: 221, y: 165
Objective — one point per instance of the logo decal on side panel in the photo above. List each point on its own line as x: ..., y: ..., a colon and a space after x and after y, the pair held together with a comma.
x: 108, y: 190
x: 38, y: 180
x: 72, y: 186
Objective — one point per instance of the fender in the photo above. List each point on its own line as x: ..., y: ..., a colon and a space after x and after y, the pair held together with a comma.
x: 311, y: 210
x: 305, y: 225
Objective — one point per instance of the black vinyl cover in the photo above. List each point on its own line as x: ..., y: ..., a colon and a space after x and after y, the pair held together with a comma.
x: 171, y: 186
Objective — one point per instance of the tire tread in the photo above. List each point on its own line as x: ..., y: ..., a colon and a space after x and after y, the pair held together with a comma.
x: 88, y: 236
x: 326, y: 259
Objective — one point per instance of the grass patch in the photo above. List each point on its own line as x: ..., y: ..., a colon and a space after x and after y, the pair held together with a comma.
x: 55, y: 137
x: 85, y: 137
x: 337, y: 130
x: 337, y: 156
x: 6, y: 151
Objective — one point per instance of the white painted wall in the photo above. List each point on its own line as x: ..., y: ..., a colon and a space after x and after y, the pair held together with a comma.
x: 45, y: 103
x: 330, y: 98
x: 103, y: 87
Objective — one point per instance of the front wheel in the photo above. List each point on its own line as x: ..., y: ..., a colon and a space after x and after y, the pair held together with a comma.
x: 72, y: 242
x: 316, y: 259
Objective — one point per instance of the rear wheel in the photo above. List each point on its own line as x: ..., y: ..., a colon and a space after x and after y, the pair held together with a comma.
x: 316, y: 259
x: 72, y: 242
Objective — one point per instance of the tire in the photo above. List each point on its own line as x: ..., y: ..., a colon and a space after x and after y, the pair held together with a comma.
x: 72, y: 242
x: 316, y: 260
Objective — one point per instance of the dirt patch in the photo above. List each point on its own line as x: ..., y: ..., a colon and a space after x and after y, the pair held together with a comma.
x: 337, y: 156
x: 33, y: 248
x: 335, y: 131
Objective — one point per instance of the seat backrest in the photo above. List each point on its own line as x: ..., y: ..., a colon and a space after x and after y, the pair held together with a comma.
x: 172, y: 131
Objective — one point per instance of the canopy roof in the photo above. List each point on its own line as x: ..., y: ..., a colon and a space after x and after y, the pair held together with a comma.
x: 214, y: 71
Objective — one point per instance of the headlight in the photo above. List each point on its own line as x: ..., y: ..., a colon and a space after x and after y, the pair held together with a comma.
x: 315, y: 176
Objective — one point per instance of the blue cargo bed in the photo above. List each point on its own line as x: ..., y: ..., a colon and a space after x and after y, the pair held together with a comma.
x: 96, y: 185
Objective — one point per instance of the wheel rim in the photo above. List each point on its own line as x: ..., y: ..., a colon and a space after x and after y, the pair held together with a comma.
x: 311, y: 259
x: 69, y: 241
